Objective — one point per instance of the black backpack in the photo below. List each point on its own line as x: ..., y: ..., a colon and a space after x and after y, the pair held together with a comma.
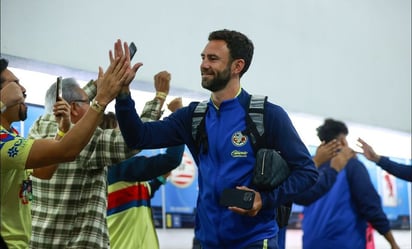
x: 255, y: 130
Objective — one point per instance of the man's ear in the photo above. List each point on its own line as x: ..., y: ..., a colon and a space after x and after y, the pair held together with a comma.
x: 73, y: 110
x: 238, y: 65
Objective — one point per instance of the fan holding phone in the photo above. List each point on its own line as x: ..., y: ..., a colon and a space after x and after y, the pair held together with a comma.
x: 132, y: 50
x: 58, y: 88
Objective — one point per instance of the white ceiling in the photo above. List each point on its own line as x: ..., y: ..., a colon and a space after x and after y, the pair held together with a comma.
x: 346, y: 59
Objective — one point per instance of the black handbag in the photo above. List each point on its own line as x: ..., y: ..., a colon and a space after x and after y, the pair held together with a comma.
x: 270, y: 170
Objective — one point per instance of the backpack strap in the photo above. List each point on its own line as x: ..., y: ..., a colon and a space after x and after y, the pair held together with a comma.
x: 256, y: 112
x: 255, y: 127
x: 199, y: 134
x: 254, y: 123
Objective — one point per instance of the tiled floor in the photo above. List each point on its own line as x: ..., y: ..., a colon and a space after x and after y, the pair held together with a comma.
x: 182, y: 239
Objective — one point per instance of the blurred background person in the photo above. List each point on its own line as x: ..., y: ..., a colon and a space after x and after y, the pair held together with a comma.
x: 339, y: 217
x: 129, y: 213
x: 338, y: 155
x: 76, y: 193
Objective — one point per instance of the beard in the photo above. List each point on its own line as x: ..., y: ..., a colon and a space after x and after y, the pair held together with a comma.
x: 218, y: 82
x: 22, y: 112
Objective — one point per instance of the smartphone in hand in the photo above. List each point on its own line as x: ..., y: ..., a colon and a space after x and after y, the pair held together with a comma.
x: 237, y: 198
x: 132, y: 50
x: 58, y: 88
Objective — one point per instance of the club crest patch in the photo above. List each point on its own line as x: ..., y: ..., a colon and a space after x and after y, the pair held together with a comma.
x: 238, y: 139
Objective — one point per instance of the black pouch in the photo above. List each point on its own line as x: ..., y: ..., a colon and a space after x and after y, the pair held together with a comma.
x: 282, y: 214
x: 270, y: 170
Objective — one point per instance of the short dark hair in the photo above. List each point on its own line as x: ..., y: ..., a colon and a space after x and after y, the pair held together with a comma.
x: 3, y: 66
x: 331, y: 129
x: 240, y: 47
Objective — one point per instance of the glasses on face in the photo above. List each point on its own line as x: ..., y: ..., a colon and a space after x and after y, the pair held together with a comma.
x: 81, y: 101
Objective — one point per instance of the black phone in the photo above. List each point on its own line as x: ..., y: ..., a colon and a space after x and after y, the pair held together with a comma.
x: 237, y: 198
x: 58, y: 88
x: 132, y: 50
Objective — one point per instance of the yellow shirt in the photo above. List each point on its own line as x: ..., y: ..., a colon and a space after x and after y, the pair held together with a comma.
x: 131, y: 225
x: 15, y: 215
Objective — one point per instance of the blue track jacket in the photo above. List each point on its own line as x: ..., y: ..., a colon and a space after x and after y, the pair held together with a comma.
x: 228, y: 163
x: 143, y: 168
x: 399, y: 170
x: 337, y: 216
